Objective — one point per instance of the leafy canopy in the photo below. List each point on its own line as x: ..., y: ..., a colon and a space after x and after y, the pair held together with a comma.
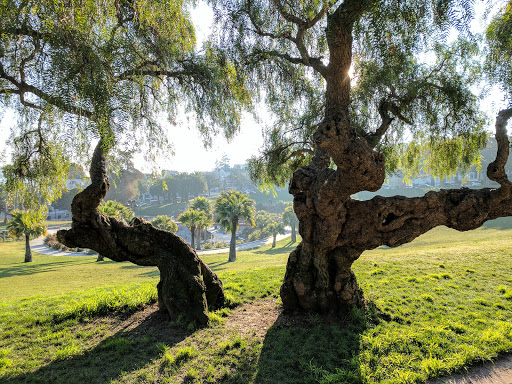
x: 499, y: 56
x: 30, y: 223
x: 410, y: 89
x: 231, y: 206
x: 165, y: 223
x: 83, y: 69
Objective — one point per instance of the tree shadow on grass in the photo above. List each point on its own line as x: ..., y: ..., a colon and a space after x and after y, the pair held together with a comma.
x: 285, y: 249
x: 308, y: 348
x: 24, y: 269
x: 217, y: 265
x: 131, y: 348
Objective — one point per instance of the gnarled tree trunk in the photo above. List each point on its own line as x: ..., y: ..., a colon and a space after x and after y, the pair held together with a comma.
x: 187, y: 288
x: 336, y: 229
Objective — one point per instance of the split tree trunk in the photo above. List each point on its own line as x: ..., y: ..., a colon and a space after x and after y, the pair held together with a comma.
x: 294, y: 234
x: 187, y: 288
x: 336, y: 229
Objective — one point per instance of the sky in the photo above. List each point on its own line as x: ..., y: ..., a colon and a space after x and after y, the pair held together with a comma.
x: 189, y: 152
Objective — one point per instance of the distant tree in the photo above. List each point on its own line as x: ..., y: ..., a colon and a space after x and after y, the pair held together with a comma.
x: 158, y: 189
x: 165, y: 223
x: 230, y: 207
x: 290, y: 218
x: 192, y: 219
x: 143, y: 187
x: 202, y: 204
x: 275, y: 228
x: 64, y: 201
x: 125, y: 184
x: 262, y: 219
x: 3, y: 201
x: 223, y: 163
x: 239, y: 178
x: 212, y: 181
x: 29, y: 224
x: 117, y: 210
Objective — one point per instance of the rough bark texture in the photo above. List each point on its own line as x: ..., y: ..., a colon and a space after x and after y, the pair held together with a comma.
x: 335, y: 229
x: 187, y: 287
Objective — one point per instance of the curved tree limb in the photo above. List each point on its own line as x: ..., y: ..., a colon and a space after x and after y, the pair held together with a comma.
x: 187, y: 285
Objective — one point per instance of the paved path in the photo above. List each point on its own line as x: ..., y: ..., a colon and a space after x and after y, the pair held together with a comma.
x: 499, y: 372
x: 39, y: 246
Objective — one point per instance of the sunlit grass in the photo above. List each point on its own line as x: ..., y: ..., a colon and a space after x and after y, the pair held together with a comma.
x: 434, y: 306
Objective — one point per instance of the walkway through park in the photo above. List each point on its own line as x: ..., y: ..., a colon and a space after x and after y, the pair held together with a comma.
x: 39, y: 246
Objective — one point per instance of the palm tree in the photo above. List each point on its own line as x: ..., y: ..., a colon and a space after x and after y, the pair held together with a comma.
x: 202, y: 204
x: 29, y: 224
x: 275, y: 228
x: 192, y: 219
x: 165, y: 223
x: 289, y: 218
x: 230, y: 207
x: 117, y: 210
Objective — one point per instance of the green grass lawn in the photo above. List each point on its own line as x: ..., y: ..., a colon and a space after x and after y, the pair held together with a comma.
x: 435, y: 306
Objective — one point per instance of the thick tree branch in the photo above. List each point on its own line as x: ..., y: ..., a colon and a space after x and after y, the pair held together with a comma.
x: 22, y: 87
x: 398, y: 220
x: 187, y: 286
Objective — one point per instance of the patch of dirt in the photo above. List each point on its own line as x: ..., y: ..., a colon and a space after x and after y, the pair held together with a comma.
x: 254, y: 318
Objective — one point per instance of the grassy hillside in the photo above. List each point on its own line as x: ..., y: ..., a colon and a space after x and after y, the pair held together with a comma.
x: 434, y: 306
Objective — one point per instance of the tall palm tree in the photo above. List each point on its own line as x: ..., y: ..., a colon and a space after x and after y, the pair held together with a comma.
x: 202, y: 204
x: 275, y: 228
x: 29, y: 224
x: 165, y: 223
x: 192, y: 219
x: 289, y: 218
x: 230, y: 207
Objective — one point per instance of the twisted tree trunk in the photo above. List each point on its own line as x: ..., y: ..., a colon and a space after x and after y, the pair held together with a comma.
x: 336, y: 229
x: 187, y: 288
